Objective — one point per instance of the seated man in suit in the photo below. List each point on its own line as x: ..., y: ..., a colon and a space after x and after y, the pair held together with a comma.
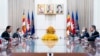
x: 17, y: 34
x: 84, y: 33
x: 94, y: 33
x: 6, y: 34
x: 93, y: 36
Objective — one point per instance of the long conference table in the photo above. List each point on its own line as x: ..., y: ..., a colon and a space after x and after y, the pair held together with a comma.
x: 45, y: 54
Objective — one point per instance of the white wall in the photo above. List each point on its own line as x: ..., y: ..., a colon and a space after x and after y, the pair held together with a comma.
x: 3, y: 15
x: 57, y: 21
x: 97, y: 14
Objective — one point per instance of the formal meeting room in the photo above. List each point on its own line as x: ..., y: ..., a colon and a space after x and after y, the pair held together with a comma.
x: 49, y: 28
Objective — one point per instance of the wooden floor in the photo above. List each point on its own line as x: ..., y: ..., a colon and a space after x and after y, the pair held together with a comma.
x: 45, y: 54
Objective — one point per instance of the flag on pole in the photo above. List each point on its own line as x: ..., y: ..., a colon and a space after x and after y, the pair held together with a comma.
x: 32, y: 25
x: 28, y: 23
x: 68, y: 21
x: 76, y: 23
x: 23, y: 23
x: 73, y: 24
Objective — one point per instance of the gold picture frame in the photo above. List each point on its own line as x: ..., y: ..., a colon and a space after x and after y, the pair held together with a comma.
x: 41, y: 8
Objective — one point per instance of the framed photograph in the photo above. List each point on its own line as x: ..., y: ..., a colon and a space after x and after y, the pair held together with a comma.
x: 41, y: 8
x: 50, y: 9
x: 59, y: 9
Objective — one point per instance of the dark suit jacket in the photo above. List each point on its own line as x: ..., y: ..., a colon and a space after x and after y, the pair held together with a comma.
x: 16, y: 35
x: 93, y: 36
x: 6, y: 36
x: 85, y: 34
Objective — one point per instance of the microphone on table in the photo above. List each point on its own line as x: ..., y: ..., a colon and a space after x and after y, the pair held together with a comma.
x: 49, y: 54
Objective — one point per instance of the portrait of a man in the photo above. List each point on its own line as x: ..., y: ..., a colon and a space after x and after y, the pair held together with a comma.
x: 59, y: 9
x: 50, y: 9
x: 41, y: 8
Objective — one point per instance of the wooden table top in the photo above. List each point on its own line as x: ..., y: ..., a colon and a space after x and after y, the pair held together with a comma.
x: 45, y: 54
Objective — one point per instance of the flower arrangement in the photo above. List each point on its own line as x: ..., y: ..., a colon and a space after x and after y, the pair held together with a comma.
x: 50, y: 38
x: 50, y: 34
x: 50, y: 30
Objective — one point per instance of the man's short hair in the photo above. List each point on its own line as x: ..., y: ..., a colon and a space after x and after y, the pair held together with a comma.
x: 93, y: 26
x: 17, y: 29
x: 86, y: 29
x: 8, y: 27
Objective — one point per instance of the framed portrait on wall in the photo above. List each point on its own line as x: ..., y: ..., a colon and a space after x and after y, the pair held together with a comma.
x: 41, y: 8
x: 59, y: 9
x: 50, y: 9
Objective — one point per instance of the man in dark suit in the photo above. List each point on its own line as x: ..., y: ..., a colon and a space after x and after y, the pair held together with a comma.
x: 94, y: 33
x: 93, y: 36
x: 6, y: 34
x: 17, y: 33
x: 84, y: 33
